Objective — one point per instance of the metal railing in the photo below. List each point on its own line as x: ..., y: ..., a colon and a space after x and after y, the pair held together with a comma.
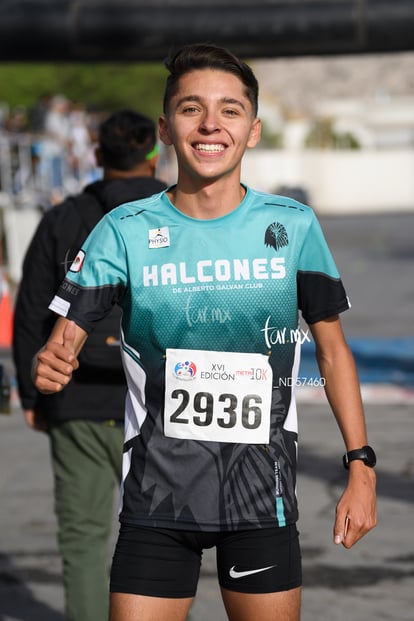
x: 30, y: 178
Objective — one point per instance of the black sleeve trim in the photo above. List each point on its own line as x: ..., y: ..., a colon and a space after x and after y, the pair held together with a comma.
x: 88, y: 305
x: 320, y: 296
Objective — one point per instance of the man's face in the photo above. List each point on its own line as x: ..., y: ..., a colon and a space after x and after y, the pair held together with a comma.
x: 210, y: 122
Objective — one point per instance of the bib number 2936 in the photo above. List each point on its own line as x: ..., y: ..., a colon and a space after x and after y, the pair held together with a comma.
x: 217, y: 396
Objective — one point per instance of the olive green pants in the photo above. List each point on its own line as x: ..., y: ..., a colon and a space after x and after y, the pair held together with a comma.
x: 86, y: 459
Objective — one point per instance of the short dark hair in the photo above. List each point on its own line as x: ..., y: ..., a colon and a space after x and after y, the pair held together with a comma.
x: 125, y: 138
x: 205, y: 56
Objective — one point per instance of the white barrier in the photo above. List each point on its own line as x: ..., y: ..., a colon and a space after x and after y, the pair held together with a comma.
x: 338, y: 182
x: 19, y: 226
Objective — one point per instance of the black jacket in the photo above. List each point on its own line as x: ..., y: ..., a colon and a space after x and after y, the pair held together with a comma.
x: 92, y: 395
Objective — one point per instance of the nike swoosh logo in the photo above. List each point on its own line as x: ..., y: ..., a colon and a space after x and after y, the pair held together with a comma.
x: 240, y: 574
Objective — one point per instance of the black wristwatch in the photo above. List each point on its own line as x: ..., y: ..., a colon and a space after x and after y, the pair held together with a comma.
x: 366, y: 453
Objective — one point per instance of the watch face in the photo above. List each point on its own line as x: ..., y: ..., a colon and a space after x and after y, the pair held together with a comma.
x: 370, y: 457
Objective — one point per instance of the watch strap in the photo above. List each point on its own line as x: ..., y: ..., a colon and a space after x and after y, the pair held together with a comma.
x: 365, y: 454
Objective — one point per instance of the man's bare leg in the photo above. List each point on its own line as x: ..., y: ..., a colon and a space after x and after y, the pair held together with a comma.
x: 129, y: 607
x: 282, y: 606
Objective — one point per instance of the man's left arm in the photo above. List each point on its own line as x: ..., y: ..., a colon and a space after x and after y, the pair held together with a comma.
x: 356, y: 509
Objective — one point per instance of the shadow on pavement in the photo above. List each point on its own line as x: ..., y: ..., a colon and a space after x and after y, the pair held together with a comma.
x: 20, y: 603
x: 393, y: 486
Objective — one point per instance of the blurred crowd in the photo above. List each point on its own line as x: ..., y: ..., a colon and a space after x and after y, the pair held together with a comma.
x: 47, y: 152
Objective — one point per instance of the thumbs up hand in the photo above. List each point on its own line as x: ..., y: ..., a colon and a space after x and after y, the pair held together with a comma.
x: 53, y: 365
x: 69, y: 335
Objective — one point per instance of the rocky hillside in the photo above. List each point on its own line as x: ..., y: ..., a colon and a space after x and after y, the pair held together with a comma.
x: 298, y: 83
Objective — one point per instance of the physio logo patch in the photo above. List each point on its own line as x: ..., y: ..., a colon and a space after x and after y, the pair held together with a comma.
x: 78, y: 262
x: 159, y: 238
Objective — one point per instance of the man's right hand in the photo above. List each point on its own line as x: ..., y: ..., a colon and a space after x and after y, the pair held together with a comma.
x: 54, y: 364
x: 35, y: 420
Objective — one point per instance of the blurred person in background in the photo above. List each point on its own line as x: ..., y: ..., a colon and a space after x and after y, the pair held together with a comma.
x: 81, y: 147
x: 85, y: 422
x: 38, y: 113
x: 55, y: 143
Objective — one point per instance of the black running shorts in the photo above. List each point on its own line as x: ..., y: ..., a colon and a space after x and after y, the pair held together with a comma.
x: 162, y: 562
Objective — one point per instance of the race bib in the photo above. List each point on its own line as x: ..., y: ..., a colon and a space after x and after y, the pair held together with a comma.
x: 217, y: 396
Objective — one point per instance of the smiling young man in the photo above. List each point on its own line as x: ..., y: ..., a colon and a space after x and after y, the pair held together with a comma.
x: 210, y: 122
x: 210, y: 275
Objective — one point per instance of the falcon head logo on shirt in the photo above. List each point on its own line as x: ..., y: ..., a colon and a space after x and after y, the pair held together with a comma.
x: 276, y: 236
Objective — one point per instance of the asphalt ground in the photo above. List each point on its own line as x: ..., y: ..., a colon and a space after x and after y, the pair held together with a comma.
x: 372, y: 581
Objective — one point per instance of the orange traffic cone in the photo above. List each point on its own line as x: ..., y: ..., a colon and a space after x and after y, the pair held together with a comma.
x: 6, y: 314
